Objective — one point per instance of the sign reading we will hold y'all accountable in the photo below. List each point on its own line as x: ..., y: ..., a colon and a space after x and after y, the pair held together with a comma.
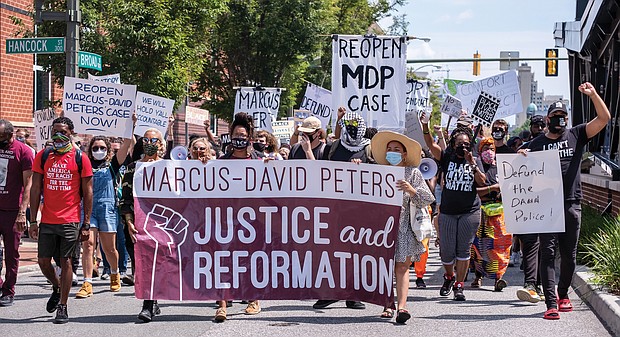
x: 275, y: 230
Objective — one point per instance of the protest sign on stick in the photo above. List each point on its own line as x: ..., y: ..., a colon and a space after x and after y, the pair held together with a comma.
x: 451, y: 106
x: 318, y: 101
x: 485, y: 108
x: 99, y: 108
x: 153, y: 112
x: 277, y: 230
x: 43, y: 126
x: 113, y: 78
x: 417, y: 96
x: 532, y: 192
x: 368, y: 75
x: 260, y: 103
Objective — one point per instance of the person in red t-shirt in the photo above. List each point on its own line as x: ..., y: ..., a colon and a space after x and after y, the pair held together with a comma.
x: 63, y: 187
x: 15, y: 177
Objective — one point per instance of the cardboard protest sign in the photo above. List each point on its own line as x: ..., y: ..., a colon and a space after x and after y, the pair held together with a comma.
x: 283, y: 130
x: 417, y: 96
x: 485, y: 108
x: 42, y: 120
x: 153, y: 112
x: 318, y: 101
x: 260, y: 103
x: 532, y: 192
x: 99, y: 108
x: 195, y: 115
x: 413, y: 128
x: 225, y: 140
x: 504, y: 86
x: 451, y: 106
x: 277, y: 230
x: 368, y: 75
x: 113, y: 78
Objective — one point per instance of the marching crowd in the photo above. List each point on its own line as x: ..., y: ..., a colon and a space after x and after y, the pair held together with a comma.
x: 79, y: 202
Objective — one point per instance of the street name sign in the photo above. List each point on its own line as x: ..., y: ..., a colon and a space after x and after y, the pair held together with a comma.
x: 37, y: 45
x: 89, y: 60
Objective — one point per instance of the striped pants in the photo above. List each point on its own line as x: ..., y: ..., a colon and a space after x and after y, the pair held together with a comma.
x: 456, y: 234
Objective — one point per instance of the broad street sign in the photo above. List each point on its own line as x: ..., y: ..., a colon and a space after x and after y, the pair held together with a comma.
x: 37, y: 45
x: 89, y: 60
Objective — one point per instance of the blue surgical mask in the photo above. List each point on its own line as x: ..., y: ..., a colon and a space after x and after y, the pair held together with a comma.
x: 394, y: 158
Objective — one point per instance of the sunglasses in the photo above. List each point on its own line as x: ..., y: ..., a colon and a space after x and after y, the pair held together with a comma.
x: 150, y: 140
x: 464, y: 144
x: 199, y: 148
x: 352, y: 122
x: 539, y: 125
x: 99, y: 148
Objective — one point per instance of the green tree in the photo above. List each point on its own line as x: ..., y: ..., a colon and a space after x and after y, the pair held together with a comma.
x: 158, y: 45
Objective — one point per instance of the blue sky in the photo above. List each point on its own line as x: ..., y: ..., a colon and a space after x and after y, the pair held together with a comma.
x: 458, y: 28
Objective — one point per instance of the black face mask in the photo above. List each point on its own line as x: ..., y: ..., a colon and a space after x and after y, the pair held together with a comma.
x: 260, y: 147
x: 4, y: 144
x: 460, y: 151
x: 239, y: 143
x: 557, y: 124
x: 498, y: 135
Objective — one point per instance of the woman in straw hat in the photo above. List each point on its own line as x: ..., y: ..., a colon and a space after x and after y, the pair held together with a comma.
x: 391, y: 148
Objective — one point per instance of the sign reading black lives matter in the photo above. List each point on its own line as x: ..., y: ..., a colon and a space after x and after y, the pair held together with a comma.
x: 368, y: 76
x: 260, y: 103
x: 485, y: 108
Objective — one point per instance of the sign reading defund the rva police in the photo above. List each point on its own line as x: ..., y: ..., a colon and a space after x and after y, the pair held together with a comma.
x: 368, y: 76
x: 260, y: 103
x: 99, y: 108
x: 276, y: 230
x: 532, y: 192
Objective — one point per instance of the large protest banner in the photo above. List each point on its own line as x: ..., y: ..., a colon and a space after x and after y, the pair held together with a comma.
x: 99, y: 108
x: 153, y: 112
x: 318, y: 101
x: 113, y: 78
x: 532, y: 192
x: 368, y: 76
x: 260, y: 103
x: 42, y: 121
x: 504, y: 86
x: 277, y: 230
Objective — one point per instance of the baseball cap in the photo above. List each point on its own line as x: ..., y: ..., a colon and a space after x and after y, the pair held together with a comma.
x: 557, y: 106
x: 537, y: 119
x: 464, y: 121
x: 310, y: 125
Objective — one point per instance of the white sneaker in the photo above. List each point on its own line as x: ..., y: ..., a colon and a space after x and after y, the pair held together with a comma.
x: 74, y: 281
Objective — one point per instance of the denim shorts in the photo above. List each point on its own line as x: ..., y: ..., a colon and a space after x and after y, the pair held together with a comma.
x: 104, y: 216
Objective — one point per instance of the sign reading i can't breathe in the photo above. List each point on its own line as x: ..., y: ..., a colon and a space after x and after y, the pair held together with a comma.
x: 99, y: 108
x: 368, y: 75
x: 260, y: 103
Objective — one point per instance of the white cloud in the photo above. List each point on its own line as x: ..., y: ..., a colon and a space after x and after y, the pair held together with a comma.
x: 420, y: 51
x: 464, y: 16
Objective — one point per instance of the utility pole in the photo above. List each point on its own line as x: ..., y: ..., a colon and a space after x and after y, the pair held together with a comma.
x: 74, y: 18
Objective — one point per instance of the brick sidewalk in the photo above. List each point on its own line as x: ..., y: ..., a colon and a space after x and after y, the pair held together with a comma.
x: 27, y: 253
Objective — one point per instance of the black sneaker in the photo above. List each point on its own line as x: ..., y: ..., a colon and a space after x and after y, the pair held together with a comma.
x: 355, y: 305
x: 322, y: 304
x: 52, y: 303
x: 446, y: 288
x: 419, y: 283
x: 61, y: 314
x: 458, y: 292
x: 6, y: 301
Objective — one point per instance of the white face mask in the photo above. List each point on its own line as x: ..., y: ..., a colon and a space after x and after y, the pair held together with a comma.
x: 99, y: 155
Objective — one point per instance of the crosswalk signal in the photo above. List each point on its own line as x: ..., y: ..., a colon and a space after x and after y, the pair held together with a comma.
x: 476, y: 64
x: 551, y: 68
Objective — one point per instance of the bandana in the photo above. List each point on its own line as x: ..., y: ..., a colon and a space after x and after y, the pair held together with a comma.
x: 353, y: 130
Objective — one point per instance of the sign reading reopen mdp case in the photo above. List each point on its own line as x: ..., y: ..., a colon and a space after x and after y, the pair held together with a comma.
x: 99, y: 108
x: 532, y: 192
x: 36, y: 45
x: 368, y: 77
x: 285, y: 229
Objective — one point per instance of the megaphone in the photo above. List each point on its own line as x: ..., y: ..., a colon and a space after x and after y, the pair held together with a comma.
x: 178, y: 153
x: 428, y: 167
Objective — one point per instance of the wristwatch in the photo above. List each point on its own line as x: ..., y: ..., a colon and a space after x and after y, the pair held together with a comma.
x: 85, y: 226
x: 30, y: 223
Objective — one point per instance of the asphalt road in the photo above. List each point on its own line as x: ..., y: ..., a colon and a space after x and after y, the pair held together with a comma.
x: 485, y: 313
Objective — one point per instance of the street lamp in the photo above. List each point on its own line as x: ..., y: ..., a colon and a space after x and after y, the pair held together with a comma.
x: 425, y: 39
x: 427, y: 65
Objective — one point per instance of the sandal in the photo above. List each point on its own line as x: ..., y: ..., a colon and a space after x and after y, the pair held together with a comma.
x: 403, y: 316
x: 552, y: 314
x: 220, y: 314
x: 387, y: 313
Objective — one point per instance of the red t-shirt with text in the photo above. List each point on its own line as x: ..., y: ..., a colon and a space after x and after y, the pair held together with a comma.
x: 61, y: 186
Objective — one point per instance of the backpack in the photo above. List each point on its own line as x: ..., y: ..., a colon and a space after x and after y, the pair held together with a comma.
x: 78, y: 158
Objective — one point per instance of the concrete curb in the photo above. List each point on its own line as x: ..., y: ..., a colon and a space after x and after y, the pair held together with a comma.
x: 605, y: 305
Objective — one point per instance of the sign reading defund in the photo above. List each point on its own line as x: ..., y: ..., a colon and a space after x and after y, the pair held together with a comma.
x: 276, y: 230
x: 368, y: 76
x: 260, y: 103
x: 153, y: 112
x: 99, y: 108
x: 532, y: 192
x: 318, y: 101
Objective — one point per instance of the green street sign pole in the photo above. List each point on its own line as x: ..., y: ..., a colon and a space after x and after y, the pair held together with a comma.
x: 89, y: 60
x: 37, y: 45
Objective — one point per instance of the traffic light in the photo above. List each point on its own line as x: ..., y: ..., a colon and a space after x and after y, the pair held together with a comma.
x: 476, y: 64
x: 551, y: 68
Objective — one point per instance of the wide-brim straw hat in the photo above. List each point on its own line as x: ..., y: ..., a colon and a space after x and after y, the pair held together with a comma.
x: 379, y: 142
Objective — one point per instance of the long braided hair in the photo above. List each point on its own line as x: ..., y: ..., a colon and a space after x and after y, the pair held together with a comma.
x: 462, y: 131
